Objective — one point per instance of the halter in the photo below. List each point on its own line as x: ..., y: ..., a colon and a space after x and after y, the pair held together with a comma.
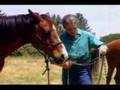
x: 49, y: 44
x: 47, y: 58
x: 55, y: 44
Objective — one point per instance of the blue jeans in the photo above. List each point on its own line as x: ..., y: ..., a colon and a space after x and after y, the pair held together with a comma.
x: 77, y: 75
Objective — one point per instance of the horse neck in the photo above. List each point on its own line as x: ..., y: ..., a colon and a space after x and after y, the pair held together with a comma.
x: 8, y: 47
x: 13, y: 37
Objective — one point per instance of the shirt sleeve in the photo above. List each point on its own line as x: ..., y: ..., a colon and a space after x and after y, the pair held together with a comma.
x: 94, y: 42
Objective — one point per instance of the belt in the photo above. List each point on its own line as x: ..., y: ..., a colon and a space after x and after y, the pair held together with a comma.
x: 80, y: 62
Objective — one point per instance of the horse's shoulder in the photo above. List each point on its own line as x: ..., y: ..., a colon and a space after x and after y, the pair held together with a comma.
x: 114, y: 44
x: 115, y: 41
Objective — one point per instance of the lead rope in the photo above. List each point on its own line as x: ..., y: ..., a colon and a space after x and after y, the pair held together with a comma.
x: 93, y: 62
x: 47, y: 65
x: 46, y: 57
x: 101, y: 69
x: 68, y: 72
x: 105, y: 68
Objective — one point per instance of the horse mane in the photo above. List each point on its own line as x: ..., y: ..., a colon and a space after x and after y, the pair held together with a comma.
x: 13, y: 26
x: 17, y: 25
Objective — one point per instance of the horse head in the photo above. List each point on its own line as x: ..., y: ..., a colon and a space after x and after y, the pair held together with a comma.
x: 46, y: 38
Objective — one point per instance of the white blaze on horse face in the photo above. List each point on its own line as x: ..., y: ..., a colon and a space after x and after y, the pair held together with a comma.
x: 54, y: 28
x: 61, y: 49
x: 65, y: 52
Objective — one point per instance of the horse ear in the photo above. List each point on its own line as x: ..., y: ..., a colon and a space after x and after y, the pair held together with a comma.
x: 30, y: 11
x: 36, y: 15
x: 48, y: 14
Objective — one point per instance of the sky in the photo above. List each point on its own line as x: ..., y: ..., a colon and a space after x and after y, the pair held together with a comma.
x: 102, y: 19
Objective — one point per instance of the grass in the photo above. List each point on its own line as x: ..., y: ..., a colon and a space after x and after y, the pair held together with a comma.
x: 28, y: 70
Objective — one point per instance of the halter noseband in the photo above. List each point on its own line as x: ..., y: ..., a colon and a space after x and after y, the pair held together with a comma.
x: 49, y: 44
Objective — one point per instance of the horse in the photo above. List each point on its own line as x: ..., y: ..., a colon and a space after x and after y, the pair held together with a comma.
x: 113, y: 61
x: 33, y: 28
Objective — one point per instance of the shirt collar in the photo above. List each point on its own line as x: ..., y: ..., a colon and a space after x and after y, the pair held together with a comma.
x: 79, y: 31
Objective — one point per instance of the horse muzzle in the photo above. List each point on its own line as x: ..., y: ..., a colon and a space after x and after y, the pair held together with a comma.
x: 58, y: 60
x: 62, y: 62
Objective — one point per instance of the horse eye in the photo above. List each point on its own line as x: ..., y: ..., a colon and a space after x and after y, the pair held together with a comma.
x: 48, y: 33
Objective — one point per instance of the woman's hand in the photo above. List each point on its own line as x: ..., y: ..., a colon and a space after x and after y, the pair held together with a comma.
x: 103, y: 49
x: 66, y: 65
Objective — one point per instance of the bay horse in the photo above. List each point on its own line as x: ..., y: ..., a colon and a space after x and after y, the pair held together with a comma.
x: 113, y: 61
x: 39, y: 30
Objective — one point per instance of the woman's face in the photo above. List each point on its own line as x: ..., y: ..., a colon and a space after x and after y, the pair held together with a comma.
x: 70, y: 27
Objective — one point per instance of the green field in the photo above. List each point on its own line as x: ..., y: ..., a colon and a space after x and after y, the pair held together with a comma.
x: 28, y: 70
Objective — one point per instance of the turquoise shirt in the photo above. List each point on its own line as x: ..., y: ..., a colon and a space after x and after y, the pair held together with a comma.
x: 78, y: 48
